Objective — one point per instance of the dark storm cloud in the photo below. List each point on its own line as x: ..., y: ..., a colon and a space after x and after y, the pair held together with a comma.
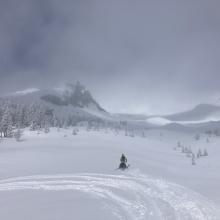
x: 139, y: 56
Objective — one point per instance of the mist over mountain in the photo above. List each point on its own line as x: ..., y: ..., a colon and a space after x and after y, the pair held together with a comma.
x: 56, y: 107
x: 76, y: 95
x: 74, y: 103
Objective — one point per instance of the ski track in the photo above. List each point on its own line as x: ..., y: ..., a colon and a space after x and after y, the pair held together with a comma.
x: 131, y: 196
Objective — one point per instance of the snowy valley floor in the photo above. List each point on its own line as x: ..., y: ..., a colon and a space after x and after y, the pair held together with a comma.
x: 63, y: 176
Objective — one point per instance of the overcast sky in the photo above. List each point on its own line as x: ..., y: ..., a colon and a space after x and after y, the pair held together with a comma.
x: 142, y: 56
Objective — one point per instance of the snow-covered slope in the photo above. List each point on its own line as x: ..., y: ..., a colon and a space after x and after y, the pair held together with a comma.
x: 131, y: 197
x: 61, y: 176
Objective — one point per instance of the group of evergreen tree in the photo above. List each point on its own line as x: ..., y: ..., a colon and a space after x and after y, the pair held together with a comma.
x: 36, y: 117
x: 214, y: 132
x: 189, y: 153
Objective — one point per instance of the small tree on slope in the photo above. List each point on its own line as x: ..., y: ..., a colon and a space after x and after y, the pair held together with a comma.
x: 193, y: 159
x: 17, y: 135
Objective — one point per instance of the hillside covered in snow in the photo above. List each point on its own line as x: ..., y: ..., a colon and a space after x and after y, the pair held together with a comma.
x: 64, y: 175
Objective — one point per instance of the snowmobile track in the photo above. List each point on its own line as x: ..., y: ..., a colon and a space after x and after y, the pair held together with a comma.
x: 130, y: 195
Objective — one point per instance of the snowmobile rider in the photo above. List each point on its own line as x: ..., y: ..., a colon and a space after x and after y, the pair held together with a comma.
x: 123, y: 161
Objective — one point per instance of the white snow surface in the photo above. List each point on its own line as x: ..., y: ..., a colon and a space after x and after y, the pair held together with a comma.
x: 131, y: 196
x: 64, y: 176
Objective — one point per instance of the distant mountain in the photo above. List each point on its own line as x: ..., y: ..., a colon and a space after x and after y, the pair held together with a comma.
x: 52, y: 107
x: 128, y: 117
x: 202, y: 117
x: 74, y: 103
x: 75, y: 95
x: 177, y: 127
x: 199, y: 113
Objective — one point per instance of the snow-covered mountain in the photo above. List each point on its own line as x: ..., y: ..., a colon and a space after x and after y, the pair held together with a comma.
x: 201, y: 112
x: 54, y: 107
x: 75, y: 103
x: 202, y: 117
x: 71, y: 95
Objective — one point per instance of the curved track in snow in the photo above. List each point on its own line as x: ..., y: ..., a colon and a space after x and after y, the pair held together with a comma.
x: 129, y: 196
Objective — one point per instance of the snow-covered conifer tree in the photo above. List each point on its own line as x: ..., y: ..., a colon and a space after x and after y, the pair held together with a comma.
x: 199, y: 153
x: 205, y: 153
x: 17, y: 134
x: 6, y: 123
x: 182, y: 149
x: 74, y: 132
x: 197, y: 137
x: 193, y: 159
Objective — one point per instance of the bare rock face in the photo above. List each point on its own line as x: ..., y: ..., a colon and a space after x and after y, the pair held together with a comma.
x: 76, y: 95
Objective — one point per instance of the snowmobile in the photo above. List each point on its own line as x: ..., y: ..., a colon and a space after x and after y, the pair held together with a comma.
x: 123, y: 163
x: 123, y: 166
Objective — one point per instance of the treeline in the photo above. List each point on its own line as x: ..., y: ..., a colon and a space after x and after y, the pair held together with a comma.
x: 37, y: 117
